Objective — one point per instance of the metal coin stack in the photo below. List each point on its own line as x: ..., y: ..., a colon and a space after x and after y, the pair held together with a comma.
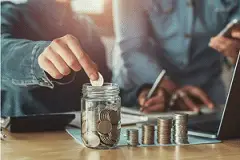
x: 164, y: 126
x: 100, y: 127
x: 179, y: 129
x: 132, y: 137
x: 148, y: 134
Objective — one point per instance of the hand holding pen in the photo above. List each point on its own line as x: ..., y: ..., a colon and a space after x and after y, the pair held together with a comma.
x: 154, y: 98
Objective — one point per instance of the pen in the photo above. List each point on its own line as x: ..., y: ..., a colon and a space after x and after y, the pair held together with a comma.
x: 156, y: 83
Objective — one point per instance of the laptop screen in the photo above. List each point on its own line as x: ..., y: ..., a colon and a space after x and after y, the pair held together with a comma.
x: 229, y: 126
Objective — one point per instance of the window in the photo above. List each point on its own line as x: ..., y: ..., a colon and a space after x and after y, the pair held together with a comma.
x: 88, y: 6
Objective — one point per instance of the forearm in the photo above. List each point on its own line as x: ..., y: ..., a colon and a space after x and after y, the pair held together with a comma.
x: 134, y: 62
x: 19, y: 62
x: 134, y: 68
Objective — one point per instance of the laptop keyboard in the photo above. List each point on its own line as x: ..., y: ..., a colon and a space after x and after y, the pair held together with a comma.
x: 208, y: 127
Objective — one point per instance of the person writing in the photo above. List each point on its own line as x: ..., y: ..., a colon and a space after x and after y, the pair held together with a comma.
x: 48, y: 52
x: 180, y: 37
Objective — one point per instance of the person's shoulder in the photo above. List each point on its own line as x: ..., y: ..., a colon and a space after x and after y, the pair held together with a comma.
x: 11, y: 5
x: 11, y: 8
x: 7, y: 4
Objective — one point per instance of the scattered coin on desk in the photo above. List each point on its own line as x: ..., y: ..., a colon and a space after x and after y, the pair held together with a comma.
x: 179, y: 129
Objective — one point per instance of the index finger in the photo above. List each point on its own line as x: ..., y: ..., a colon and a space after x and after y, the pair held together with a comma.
x: 154, y: 100
x: 85, y: 61
x: 189, y: 103
x: 236, y: 33
x: 142, y: 97
x: 202, y: 95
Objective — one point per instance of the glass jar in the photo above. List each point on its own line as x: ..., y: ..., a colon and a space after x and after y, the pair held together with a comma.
x: 100, y: 116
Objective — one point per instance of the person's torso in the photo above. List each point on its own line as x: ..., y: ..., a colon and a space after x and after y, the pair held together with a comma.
x: 182, y: 30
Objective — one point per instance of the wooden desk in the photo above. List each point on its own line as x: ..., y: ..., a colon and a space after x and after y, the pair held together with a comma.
x: 59, y: 145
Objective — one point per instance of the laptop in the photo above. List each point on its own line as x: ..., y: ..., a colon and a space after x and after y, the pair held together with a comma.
x: 227, y: 125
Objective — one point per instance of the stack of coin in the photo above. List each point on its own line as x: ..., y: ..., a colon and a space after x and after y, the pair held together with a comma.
x: 148, y: 134
x: 164, y: 126
x: 132, y: 137
x: 100, y: 127
x: 179, y: 129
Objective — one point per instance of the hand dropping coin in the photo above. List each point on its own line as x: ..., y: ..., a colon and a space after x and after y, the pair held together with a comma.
x: 99, y: 81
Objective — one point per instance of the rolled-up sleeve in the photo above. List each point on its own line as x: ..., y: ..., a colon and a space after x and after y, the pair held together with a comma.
x: 134, y: 58
x: 235, y: 13
x: 19, y: 64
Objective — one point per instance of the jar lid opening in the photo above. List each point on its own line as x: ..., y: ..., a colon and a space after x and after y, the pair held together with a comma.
x: 106, y: 88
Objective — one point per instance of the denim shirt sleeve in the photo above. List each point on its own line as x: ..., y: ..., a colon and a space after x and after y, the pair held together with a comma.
x: 236, y: 11
x: 19, y: 56
x: 134, y: 58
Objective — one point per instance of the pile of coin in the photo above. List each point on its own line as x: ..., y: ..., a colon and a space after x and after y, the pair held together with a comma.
x: 164, y: 126
x: 179, y: 129
x: 148, y: 134
x: 132, y: 137
x: 100, y: 126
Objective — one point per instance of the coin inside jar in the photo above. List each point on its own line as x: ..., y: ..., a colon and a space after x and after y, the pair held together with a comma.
x: 92, y: 140
x: 104, y: 127
x: 101, y: 115
x: 113, y: 116
x: 104, y: 115
x: 114, y: 134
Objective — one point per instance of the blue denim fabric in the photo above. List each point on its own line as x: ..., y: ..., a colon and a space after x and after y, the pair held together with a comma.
x: 170, y: 34
x: 26, y: 30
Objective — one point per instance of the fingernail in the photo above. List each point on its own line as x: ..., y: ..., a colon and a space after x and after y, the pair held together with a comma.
x: 211, y: 43
x: 211, y: 105
x: 236, y: 35
x: 196, y: 109
x: 145, y: 104
x: 93, y: 76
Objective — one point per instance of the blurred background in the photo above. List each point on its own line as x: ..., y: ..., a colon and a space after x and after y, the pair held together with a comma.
x: 100, y: 12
